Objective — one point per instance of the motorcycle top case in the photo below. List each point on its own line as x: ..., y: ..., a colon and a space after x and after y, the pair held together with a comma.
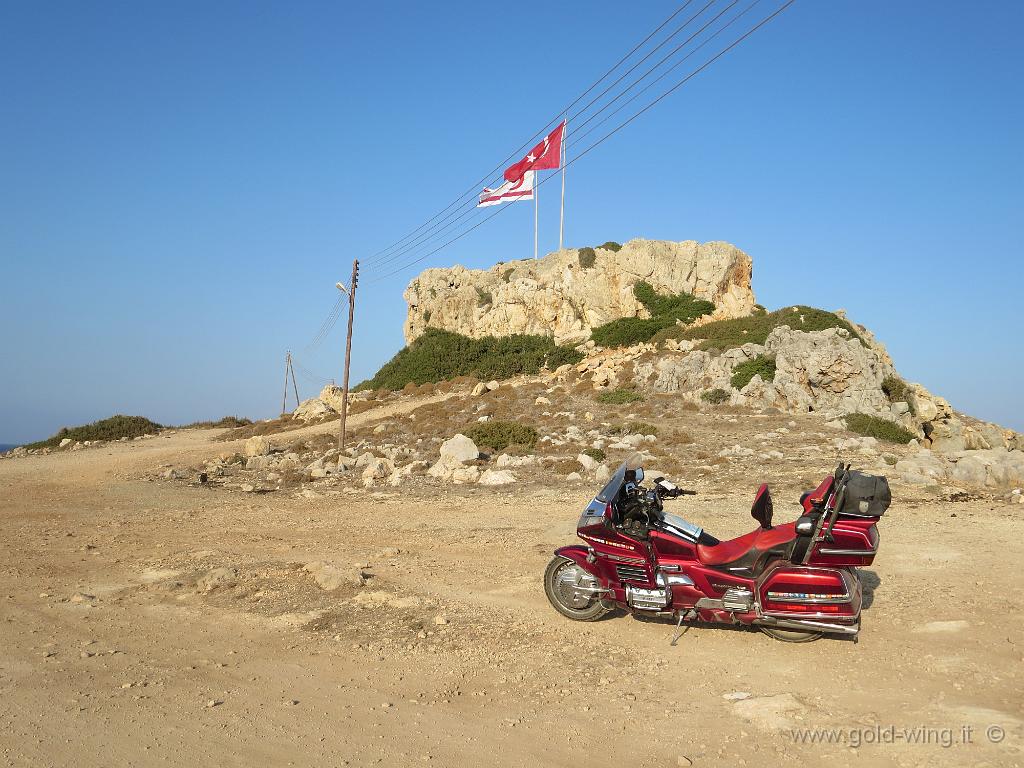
x: 866, y: 495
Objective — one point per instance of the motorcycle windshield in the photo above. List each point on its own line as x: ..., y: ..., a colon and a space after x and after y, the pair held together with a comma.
x: 611, y: 490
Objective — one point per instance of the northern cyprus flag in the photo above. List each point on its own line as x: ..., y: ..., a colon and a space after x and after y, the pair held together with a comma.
x: 509, y: 192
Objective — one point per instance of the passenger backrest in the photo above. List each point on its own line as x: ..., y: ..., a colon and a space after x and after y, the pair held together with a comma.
x: 762, y: 509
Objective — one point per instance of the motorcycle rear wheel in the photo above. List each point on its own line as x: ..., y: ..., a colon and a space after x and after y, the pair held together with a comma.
x: 791, y: 635
x: 560, y: 578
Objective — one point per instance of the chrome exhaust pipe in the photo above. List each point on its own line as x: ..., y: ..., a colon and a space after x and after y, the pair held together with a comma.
x: 818, y: 626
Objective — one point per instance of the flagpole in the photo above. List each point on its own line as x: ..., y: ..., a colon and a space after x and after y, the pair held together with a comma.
x: 536, y: 205
x: 561, y: 215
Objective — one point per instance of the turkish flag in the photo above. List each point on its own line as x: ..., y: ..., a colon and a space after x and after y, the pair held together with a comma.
x: 545, y: 156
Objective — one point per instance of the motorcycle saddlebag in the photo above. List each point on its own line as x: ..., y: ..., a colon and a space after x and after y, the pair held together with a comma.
x: 866, y: 495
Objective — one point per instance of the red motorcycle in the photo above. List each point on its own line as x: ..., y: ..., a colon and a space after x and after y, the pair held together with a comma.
x: 796, y: 581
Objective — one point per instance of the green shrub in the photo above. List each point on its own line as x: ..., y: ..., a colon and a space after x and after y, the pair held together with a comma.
x: 642, y: 428
x: 897, y: 391
x: 587, y: 257
x: 762, y: 365
x: 625, y: 331
x: 872, y: 426
x: 619, y: 397
x: 440, y: 355
x: 426, y: 316
x: 673, y: 331
x: 595, y: 453
x: 715, y: 396
x: 113, y: 428
x: 683, y: 306
x: 563, y: 355
x: 483, y: 298
x: 754, y: 329
x: 507, y: 274
x: 665, y: 311
x: 498, y: 435
x: 612, y: 246
x: 230, y: 422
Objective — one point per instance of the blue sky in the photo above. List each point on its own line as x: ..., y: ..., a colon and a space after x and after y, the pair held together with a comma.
x: 183, y: 184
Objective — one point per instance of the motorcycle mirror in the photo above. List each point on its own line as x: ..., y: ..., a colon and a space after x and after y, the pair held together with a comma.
x: 658, y: 480
x: 639, y: 474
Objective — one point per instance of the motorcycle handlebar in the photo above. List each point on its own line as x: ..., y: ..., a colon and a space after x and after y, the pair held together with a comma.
x: 675, y: 492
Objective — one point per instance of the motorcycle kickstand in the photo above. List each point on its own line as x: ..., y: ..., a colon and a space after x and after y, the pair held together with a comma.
x: 683, y: 616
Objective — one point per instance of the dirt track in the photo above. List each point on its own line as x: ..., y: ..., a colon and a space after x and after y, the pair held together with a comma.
x: 120, y: 647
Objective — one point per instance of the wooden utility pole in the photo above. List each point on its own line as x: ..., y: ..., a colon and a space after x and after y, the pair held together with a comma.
x: 351, y: 291
x: 294, y: 385
x: 289, y: 369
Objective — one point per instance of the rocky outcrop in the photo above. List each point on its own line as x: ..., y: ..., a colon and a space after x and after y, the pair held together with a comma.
x: 993, y: 468
x: 558, y: 296
x: 827, y: 372
x: 327, y: 403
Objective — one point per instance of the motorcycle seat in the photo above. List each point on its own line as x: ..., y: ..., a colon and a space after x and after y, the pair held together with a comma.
x: 744, y: 551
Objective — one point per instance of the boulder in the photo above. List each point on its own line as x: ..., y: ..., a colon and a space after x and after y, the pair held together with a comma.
x: 496, y: 477
x: 332, y: 397
x: 455, y: 452
x: 257, y: 446
x: 589, y: 463
x: 459, y: 449
x: 313, y: 409
x: 330, y: 577
x: 461, y: 475
x: 378, y: 469
x: 923, y: 468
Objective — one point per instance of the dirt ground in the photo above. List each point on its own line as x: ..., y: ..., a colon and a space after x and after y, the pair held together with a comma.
x: 158, y: 623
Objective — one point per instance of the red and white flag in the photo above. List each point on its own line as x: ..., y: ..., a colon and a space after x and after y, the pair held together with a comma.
x: 545, y: 156
x: 509, y: 192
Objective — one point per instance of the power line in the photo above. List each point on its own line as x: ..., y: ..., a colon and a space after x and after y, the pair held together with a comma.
x: 607, y: 136
x: 309, y: 375
x: 578, y: 126
x: 447, y: 223
x: 476, y: 187
x: 664, y: 74
x: 327, y: 325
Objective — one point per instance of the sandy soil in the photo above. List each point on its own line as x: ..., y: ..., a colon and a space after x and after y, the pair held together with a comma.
x: 158, y: 623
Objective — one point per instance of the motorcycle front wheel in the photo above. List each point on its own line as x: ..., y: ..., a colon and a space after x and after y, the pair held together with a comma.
x: 569, y: 588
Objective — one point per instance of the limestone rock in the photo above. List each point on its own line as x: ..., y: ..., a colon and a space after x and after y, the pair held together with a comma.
x: 330, y: 576
x: 331, y: 396
x: 497, y: 477
x: 257, y: 446
x: 459, y: 449
x: 455, y: 452
x: 312, y: 410
x: 378, y: 469
x: 555, y: 296
x: 923, y: 468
